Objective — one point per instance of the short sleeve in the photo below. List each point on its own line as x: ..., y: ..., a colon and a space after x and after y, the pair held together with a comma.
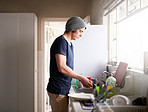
x: 61, y: 46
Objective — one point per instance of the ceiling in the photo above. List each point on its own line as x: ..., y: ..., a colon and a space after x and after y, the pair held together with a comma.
x: 47, y: 8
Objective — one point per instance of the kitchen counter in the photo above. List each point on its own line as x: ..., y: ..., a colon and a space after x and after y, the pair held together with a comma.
x: 75, y: 105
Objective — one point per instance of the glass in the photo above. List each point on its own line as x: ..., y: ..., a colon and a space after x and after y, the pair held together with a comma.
x: 121, y: 11
x: 112, y: 35
x: 144, y: 3
x: 133, y: 5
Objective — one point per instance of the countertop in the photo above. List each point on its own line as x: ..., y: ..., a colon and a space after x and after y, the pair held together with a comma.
x: 75, y: 105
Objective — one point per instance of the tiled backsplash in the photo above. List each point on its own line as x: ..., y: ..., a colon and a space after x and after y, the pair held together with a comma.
x: 140, y: 84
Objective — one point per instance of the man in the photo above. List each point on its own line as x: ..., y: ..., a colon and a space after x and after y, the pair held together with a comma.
x: 61, y: 65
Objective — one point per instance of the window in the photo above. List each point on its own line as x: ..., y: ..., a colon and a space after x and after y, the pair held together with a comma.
x: 128, y: 34
x: 121, y: 11
x: 144, y: 3
x: 113, y: 42
x: 133, y: 5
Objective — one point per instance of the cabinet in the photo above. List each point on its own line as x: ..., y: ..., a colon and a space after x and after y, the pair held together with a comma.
x: 18, y: 62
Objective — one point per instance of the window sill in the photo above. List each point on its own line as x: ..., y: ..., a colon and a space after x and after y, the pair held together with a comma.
x: 129, y: 71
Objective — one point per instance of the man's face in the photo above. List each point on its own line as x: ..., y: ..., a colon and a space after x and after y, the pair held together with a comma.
x: 77, y: 34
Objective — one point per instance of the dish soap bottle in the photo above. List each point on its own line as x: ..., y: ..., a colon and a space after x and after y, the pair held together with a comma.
x: 111, y: 80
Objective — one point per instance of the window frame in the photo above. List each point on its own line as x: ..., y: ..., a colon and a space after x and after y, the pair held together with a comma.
x: 114, y: 48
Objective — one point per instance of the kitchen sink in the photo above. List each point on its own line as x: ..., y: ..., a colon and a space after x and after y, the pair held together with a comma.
x: 82, y: 89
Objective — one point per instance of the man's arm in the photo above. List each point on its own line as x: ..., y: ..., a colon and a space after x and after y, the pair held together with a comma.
x: 64, y: 69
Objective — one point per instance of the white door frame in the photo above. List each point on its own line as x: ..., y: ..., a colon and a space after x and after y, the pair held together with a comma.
x: 41, y: 64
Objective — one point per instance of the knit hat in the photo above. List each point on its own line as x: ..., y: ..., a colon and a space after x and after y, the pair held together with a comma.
x: 75, y: 23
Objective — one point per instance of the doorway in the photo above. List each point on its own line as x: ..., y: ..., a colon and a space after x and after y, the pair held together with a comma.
x: 52, y: 29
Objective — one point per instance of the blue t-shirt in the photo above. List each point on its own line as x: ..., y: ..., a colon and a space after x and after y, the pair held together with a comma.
x: 58, y: 82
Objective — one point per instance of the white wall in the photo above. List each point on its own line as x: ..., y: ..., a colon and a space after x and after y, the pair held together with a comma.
x: 90, y: 51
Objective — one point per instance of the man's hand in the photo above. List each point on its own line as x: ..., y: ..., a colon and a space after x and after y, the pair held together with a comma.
x: 86, y: 83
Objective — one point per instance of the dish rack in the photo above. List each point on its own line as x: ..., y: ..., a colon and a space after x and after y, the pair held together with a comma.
x: 122, y: 109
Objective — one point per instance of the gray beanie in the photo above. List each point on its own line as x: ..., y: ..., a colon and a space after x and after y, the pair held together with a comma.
x: 74, y: 23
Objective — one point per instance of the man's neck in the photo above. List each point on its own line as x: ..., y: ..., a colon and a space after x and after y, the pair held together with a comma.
x: 67, y: 37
